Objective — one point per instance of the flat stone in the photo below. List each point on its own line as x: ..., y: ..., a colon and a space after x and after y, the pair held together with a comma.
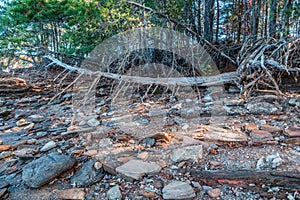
x: 250, y: 126
x: 215, y: 163
x: 49, y: 145
x: 135, y: 169
x: 187, y: 141
x: 149, y: 194
x: 28, y: 127
x: 214, y: 193
x: 28, y: 99
x: 110, y: 165
x: 292, y: 102
x: 87, y: 175
x: 261, y: 135
x: 114, y: 193
x: 41, y: 134
x: 66, y: 96
x: 5, y: 154
x: 45, y: 169
x: 206, y: 188
x: 23, y: 122
x: 24, y: 154
x: 74, y: 193
x: 271, y: 129
x: 4, y: 147
x: 189, y: 153
x: 37, y: 118
x: 292, y: 132
x: 31, y: 141
x: 93, y: 122
x: 178, y: 190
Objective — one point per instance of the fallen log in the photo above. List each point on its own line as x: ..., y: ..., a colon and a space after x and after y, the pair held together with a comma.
x: 285, y: 179
x: 178, y: 81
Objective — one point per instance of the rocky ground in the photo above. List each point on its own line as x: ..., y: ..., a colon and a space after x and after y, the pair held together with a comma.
x: 145, y: 149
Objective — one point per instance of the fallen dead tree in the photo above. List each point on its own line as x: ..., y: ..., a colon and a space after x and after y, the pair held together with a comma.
x: 178, y: 81
x: 285, y: 179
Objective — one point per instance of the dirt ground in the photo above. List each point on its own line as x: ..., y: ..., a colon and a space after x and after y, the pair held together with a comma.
x: 251, y: 152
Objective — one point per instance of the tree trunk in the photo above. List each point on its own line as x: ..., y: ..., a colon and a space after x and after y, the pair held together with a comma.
x: 208, y: 20
x: 272, y: 18
x: 199, y: 18
x: 286, y: 17
x: 218, y: 21
x: 246, y: 18
x: 239, y: 21
x: 266, y: 19
x: 255, y: 18
x: 285, y: 179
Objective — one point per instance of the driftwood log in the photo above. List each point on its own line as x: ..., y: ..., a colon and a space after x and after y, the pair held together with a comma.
x: 285, y: 179
x: 178, y: 81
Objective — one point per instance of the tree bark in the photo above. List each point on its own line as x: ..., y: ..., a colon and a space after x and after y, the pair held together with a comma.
x: 285, y: 179
x: 199, y: 18
x: 239, y: 5
x: 218, y: 20
x: 255, y: 18
x: 286, y: 17
x: 179, y: 81
x: 272, y: 19
x: 208, y: 20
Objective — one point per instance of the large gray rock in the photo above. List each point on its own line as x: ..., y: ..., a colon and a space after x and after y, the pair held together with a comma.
x: 135, y: 169
x: 87, y: 175
x: 189, y: 153
x: 114, y: 193
x: 178, y: 190
x: 45, y: 169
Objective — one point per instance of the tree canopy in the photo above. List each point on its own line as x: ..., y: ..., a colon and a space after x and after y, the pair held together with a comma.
x: 67, y: 28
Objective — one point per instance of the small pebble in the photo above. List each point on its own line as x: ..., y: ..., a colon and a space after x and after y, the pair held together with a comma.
x: 214, y: 193
x: 98, y: 165
x: 206, y: 188
x: 49, y: 145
